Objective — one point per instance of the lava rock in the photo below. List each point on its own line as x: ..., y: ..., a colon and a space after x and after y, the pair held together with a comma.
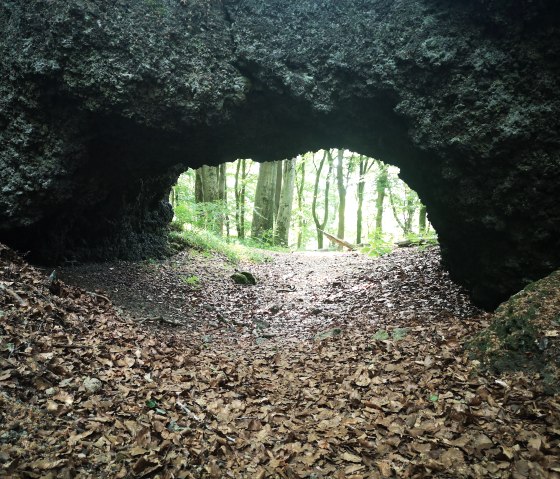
x: 104, y: 104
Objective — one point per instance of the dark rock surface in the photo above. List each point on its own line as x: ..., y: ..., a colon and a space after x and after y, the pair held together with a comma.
x: 103, y: 103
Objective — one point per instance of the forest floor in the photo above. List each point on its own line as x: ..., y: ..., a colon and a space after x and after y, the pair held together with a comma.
x: 333, y: 365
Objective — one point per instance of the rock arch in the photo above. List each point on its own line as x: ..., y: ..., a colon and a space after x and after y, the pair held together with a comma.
x: 103, y: 103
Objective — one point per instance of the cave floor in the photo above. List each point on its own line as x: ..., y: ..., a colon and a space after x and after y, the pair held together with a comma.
x: 298, y: 295
x: 334, y: 365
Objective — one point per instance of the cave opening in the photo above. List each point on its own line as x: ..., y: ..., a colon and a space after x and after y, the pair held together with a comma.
x: 328, y: 199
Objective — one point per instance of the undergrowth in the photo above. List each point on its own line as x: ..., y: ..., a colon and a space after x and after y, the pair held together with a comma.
x: 208, y: 243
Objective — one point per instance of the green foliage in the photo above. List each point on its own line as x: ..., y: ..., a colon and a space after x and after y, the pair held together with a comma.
x: 193, y: 280
x: 380, y: 244
x: 381, y: 335
x: 209, y: 243
x: 429, y: 238
x: 400, y: 200
x: 202, y: 215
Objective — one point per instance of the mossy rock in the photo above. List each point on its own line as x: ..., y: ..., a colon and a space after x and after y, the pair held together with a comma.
x: 177, y: 242
x: 524, y: 333
x: 243, y: 277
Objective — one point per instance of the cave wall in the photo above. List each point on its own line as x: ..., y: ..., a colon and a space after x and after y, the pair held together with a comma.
x: 103, y: 103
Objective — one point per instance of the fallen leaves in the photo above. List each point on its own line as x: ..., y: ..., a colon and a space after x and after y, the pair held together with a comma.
x: 86, y: 393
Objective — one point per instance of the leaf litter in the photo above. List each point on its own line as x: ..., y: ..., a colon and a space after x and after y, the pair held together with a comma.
x: 94, y: 389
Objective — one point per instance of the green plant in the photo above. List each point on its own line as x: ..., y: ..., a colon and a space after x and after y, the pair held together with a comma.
x: 380, y: 245
x: 423, y: 240
x: 208, y: 243
x: 193, y: 280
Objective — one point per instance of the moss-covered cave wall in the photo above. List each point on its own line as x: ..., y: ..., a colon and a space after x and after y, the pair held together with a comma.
x: 103, y: 103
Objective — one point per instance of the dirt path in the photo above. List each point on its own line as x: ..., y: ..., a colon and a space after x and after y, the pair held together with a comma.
x: 298, y: 295
x: 332, y: 366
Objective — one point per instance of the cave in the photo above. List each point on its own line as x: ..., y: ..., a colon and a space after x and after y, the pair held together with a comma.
x: 104, y: 103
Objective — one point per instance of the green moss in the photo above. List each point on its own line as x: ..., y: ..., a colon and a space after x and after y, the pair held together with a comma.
x: 523, y: 334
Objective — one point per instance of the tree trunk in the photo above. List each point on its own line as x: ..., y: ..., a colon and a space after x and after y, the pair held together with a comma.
x: 240, y: 186
x: 209, y: 176
x: 198, y: 197
x: 300, y: 189
x: 284, y: 216
x: 207, y: 190
x: 364, y: 166
x: 422, y: 220
x: 380, y: 188
x: 410, y: 208
x: 263, y: 212
x: 174, y: 197
x: 237, y: 195
x: 341, y: 195
x: 320, y: 225
x: 278, y: 190
x: 222, y: 193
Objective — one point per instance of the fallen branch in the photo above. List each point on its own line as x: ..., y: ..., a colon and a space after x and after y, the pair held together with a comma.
x: 407, y: 243
x: 99, y: 296
x: 339, y: 241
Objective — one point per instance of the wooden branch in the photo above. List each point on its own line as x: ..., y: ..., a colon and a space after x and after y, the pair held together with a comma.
x: 406, y: 243
x: 339, y: 241
x: 99, y: 296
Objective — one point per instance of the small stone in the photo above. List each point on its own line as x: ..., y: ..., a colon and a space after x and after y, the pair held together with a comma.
x: 50, y: 391
x: 92, y: 385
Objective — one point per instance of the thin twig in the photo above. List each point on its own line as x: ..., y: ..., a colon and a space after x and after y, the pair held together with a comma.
x: 99, y: 296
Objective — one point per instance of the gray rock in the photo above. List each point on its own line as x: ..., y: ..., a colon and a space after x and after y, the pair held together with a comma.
x: 92, y: 385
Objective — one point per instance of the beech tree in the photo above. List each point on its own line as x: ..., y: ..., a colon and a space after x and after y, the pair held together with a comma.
x: 284, y: 216
x: 240, y: 188
x: 404, y: 206
x: 320, y: 224
x: 210, y: 191
x: 381, y: 184
x: 341, y: 193
x: 422, y: 223
x: 364, y: 166
x: 300, y: 187
x: 336, y: 180
x: 263, y: 211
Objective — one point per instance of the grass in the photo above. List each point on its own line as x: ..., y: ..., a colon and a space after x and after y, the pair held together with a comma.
x: 209, y: 244
x: 193, y: 280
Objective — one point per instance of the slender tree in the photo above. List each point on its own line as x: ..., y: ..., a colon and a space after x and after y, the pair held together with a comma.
x: 284, y: 216
x: 422, y: 214
x: 300, y: 184
x: 263, y: 211
x: 207, y: 192
x: 381, y: 184
x: 406, y: 208
x: 320, y: 225
x: 278, y: 189
x: 341, y: 194
x: 364, y: 166
x: 222, y: 195
x: 240, y: 187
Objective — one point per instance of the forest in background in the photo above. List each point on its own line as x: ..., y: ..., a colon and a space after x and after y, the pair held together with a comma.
x: 290, y: 203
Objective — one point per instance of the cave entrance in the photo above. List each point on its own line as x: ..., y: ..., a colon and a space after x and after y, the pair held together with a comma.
x: 330, y: 199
